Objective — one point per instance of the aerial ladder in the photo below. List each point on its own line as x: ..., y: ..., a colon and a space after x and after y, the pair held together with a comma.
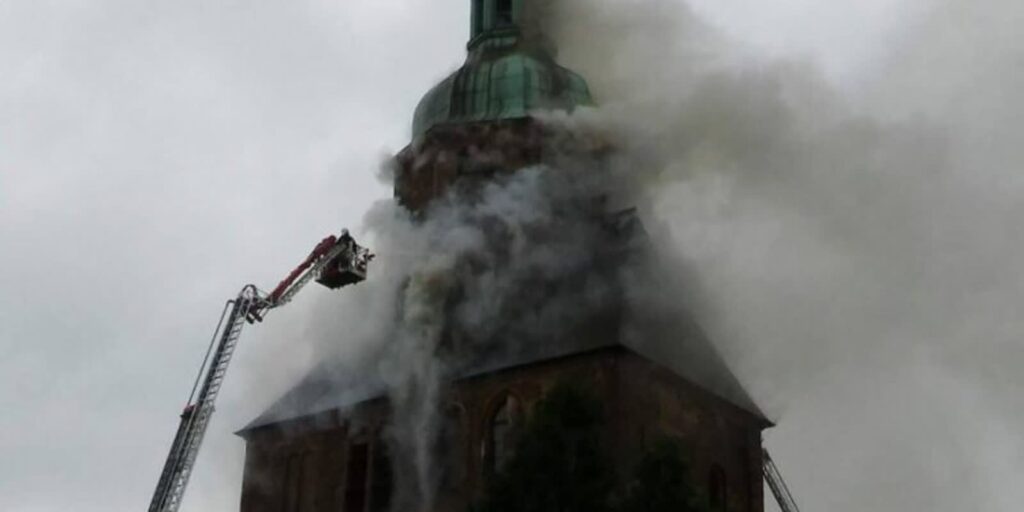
x: 335, y: 262
x: 778, y: 487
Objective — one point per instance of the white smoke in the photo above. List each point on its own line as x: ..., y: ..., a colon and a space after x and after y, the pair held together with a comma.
x: 486, y: 273
x: 859, y: 253
x: 855, y: 257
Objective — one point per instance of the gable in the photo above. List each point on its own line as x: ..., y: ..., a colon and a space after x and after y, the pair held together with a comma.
x: 690, y: 357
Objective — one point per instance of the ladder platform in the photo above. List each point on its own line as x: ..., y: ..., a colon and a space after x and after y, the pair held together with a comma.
x: 348, y: 267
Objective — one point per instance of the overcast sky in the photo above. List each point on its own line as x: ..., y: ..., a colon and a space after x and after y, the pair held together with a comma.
x: 156, y: 156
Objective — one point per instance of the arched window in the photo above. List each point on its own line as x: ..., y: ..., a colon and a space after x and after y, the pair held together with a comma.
x: 355, y: 479
x: 717, y: 488
x: 380, y: 476
x: 503, y: 12
x: 293, y: 482
x: 502, y: 427
x: 452, y: 448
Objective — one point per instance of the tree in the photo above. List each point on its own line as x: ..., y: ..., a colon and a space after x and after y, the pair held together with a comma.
x: 559, y: 465
x: 660, y: 483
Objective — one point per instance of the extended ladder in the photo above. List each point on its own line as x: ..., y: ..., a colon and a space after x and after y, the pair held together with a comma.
x: 196, y: 416
x: 335, y: 262
x: 778, y: 487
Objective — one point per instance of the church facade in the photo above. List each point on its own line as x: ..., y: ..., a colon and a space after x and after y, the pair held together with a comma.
x: 337, y: 459
x: 325, y: 448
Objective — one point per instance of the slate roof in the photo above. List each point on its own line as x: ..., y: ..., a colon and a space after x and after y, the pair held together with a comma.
x: 689, y: 355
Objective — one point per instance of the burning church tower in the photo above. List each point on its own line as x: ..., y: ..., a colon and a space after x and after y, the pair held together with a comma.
x: 330, y: 446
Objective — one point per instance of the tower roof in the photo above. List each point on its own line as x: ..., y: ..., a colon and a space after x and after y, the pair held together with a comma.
x: 508, y: 73
x: 689, y: 355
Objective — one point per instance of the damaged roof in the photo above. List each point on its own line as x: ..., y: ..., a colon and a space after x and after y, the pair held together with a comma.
x: 690, y: 356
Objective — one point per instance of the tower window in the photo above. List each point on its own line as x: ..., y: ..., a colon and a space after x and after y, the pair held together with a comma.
x: 451, y: 448
x: 355, y: 480
x: 503, y: 12
x: 477, y: 18
x: 293, y: 482
x: 380, y: 485
x: 501, y: 432
x: 717, y: 488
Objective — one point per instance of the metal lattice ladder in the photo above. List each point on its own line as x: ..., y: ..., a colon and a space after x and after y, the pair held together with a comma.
x: 771, y: 475
x: 196, y: 417
x: 335, y: 262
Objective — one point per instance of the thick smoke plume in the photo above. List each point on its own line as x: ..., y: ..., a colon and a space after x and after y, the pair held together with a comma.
x: 859, y: 253
x: 485, y: 274
x: 515, y: 264
x: 854, y: 255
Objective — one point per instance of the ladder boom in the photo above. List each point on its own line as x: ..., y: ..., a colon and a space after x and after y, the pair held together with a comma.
x: 325, y: 246
x: 334, y: 262
x: 196, y: 416
x: 774, y: 478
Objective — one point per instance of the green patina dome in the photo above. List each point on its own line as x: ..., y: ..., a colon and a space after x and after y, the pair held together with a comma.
x: 506, y: 76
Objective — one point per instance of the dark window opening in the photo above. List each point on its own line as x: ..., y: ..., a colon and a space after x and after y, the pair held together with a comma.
x: 380, y: 484
x: 477, y: 22
x: 503, y: 12
x: 451, y: 449
x: 355, y: 478
x: 501, y: 433
x: 293, y: 483
x: 717, y: 489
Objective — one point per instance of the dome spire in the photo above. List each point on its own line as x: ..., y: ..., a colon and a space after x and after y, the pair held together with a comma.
x: 510, y: 71
x: 494, y: 18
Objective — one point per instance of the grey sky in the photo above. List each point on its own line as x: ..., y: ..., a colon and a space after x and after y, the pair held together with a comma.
x: 154, y: 157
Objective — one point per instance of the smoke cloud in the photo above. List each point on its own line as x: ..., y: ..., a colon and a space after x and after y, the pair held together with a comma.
x: 516, y: 264
x: 854, y: 254
x: 858, y: 251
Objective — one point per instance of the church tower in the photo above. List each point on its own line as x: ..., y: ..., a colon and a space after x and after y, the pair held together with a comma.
x: 478, y: 120
x: 326, y: 445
